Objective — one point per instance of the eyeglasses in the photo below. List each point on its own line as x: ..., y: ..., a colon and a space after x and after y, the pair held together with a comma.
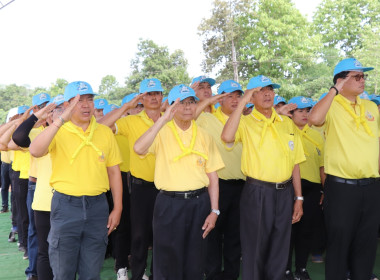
x: 187, y: 102
x: 360, y: 76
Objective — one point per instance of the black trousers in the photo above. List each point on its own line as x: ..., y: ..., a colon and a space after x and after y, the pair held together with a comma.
x: 302, y: 232
x: 265, y: 227
x: 121, y: 238
x: 179, y: 250
x: 20, y: 193
x: 352, y: 216
x: 224, y: 240
x: 12, y: 177
x: 42, y: 221
x: 143, y: 197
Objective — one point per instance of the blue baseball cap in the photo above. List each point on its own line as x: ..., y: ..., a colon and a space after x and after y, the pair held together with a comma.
x: 100, y: 103
x: 40, y: 98
x: 182, y: 92
x: 364, y: 95
x: 261, y: 81
x: 22, y: 109
x: 203, y: 79
x: 78, y: 87
x: 301, y: 102
x: 59, y: 99
x: 128, y: 98
x: 376, y: 99
x: 229, y: 86
x: 149, y: 85
x: 216, y: 105
x: 278, y: 99
x: 249, y: 105
x: 350, y: 64
x: 109, y: 107
x: 164, y: 99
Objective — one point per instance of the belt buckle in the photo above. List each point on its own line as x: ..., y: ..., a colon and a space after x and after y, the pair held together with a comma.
x: 185, y: 195
x: 280, y: 186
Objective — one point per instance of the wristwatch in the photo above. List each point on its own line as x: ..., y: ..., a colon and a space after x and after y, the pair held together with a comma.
x: 298, y: 198
x: 217, y: 212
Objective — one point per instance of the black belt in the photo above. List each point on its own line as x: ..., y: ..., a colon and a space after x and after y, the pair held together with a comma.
x: 139, y: 181
x: 359, y: 182
x: 185, y: 195
x: 277, y: 186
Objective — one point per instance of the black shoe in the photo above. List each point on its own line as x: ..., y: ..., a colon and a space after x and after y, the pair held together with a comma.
x: 301, y: 275
x: 12, y: 237
x: 289, y: 275
x: 4, y: 209
x: 22, y: 248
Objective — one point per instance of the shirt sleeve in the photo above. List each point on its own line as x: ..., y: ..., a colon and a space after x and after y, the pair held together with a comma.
x: 122, y: 126
x: 299, y: 155
x: 114, y: 156
x: 214, y: 161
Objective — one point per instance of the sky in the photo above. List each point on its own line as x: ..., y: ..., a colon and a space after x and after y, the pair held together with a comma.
x: 42, y: 40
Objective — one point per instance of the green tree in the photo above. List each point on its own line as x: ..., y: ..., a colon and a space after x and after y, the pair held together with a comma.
x: 221, y: 35
x: 58, y: 87
x: 156, y: 61
x: 14, y: 96
x: 108, y: 84
x: 369, y: 55
x: 340, y: 22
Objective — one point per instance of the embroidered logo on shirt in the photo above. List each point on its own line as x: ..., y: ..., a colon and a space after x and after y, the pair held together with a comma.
x: 101, y: 157
x: 291, y: 145
x: 201, y: 162
x: 369, y: 116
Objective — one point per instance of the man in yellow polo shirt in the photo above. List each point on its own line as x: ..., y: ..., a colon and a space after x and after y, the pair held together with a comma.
x: 352, y: 186
x: 271, y: 153
x: 202, y: 86
x: 186, y: 163
x: 224, y: 241
x: 143, y: 190
x: 312, y: 178
x: 85, y: 164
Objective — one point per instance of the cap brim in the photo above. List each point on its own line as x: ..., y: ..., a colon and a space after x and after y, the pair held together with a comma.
x: 208, y: 80
x: 229, y: 90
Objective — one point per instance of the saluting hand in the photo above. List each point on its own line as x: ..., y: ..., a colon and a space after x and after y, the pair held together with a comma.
x: 286, y: 109
x: 170, y: 111
x: 248, y: 95
x: 66, y: 115
x: 43, y: 113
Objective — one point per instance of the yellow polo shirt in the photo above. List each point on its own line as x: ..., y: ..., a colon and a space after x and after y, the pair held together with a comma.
x: 33, y: 161
x: 21, y: 162
x: 133, y: 127
x: 272, y: 161
x: 87, y: 173
x: 123, y: 144
x: 44, y: 192
x: 5, y: 157
x: 231, y: 157
x: 350, y: 152
x: 190, y: 171
x: 313, y: 146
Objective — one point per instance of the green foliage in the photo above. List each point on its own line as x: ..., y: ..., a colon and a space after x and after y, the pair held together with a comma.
x: 13, y: 96
x: 58, y: 87
x: 108, y: 85
x: 340, y: 22
x: 156, y: 61
x: 369, y: 55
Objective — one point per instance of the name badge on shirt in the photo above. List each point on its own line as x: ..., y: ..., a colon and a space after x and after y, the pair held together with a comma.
x: 369, y: 116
